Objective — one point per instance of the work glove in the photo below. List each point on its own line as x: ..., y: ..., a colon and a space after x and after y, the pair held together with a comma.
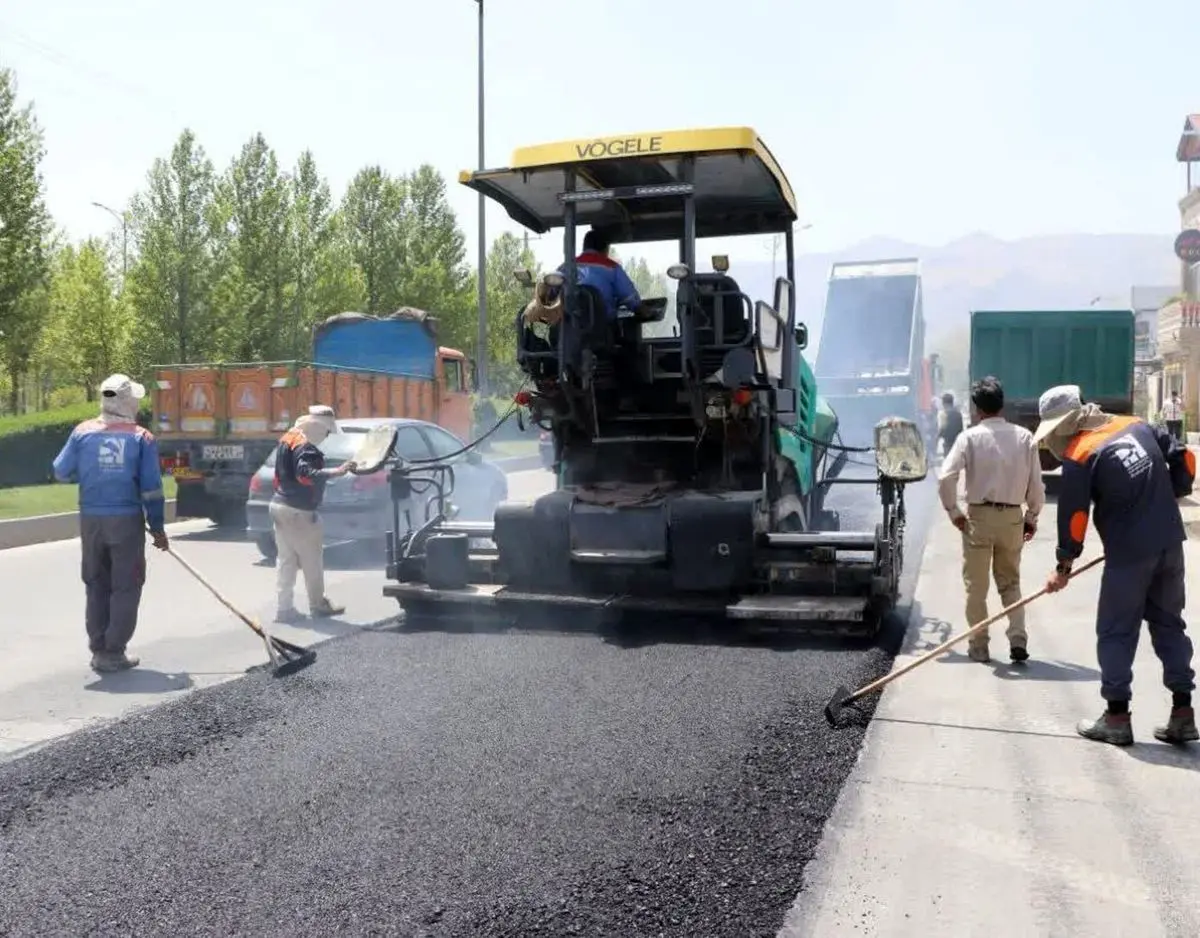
x: 159, y: 539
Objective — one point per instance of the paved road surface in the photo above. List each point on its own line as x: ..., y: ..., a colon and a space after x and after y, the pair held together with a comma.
x: 185, y: 638
x: 976, y: 810
x: 445, y: 784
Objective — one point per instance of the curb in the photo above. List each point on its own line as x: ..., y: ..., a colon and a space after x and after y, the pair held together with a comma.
x: 44, y: 529
x: 518, y: 463
x: 1189, y: 508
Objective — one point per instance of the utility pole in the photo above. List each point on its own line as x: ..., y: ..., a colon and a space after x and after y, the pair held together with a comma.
x: 481, y: 352
x: 123, y: 218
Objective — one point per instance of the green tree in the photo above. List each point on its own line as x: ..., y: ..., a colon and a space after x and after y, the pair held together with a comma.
x: 339, y: 286
x: 506, y: 298
x: 258, y: 200
x: 647, y: 282
x: 178, y: 231
x: 437, y: 277
x: 373, y: 209
x: 313, y: 249
x: 87, y: 335
x: 24, y: 235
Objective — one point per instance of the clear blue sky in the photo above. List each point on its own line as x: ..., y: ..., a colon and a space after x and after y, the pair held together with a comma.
x: 919, y: 119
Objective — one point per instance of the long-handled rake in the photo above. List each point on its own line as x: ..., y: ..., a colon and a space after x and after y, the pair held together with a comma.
x: 286, y: 658
x: 842, y: 697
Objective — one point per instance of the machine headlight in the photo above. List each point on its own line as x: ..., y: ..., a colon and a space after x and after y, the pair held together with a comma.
x: 900, y: 450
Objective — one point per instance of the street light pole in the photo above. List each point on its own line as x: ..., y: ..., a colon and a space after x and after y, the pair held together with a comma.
x: 124, y: 220
x: 481, y: 352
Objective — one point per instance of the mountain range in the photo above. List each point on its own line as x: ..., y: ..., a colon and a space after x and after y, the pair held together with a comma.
x: 980, y: 271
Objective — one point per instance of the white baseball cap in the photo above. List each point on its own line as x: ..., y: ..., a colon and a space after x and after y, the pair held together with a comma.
x: 324, y: 415
x: 122, y: 386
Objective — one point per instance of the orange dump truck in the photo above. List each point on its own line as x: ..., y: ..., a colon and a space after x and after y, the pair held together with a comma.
x: 217, y: 423
x: 929, y: 393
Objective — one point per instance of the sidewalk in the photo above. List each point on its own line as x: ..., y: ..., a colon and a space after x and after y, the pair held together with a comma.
x: 975, y: 809
x: 185, y: 638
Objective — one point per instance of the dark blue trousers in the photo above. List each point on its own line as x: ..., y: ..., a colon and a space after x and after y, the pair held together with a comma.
x: 1130, y: 592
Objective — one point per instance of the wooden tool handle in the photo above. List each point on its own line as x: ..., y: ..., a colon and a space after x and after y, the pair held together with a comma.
x: 212, y: 589
x: 1020, y: 603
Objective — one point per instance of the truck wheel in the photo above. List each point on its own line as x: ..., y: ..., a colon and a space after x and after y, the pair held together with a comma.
x: 230, y: 515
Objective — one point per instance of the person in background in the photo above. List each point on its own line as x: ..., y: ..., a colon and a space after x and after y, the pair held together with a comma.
x: 597, y: 269
x: 1133, y: 473
x: 115, y: 462
x: 1003, y: 473
x: 951, y: 423
x: 1172, y: 415
x: 300, y: 477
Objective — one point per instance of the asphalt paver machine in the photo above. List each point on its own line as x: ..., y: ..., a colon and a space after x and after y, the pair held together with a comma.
x: 693, y: 466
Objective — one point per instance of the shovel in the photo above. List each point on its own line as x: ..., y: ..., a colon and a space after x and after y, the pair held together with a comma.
x: 285, y: 657
x: 842, y: 697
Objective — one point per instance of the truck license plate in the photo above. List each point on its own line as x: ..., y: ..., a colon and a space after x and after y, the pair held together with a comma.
x: 224, y: 452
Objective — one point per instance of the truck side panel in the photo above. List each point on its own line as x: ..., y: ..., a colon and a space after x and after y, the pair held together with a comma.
x: 390, y: 346
x: 1031, y: 351
x: 186, y: 401
x: 872, y: 343
x: 217, y: 423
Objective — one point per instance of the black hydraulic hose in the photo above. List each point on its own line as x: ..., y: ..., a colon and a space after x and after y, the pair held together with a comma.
x: 836, y: 447
x: 470, y: 446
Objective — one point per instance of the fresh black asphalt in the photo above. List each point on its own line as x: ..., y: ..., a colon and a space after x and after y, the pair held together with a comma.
x: 447, y: 784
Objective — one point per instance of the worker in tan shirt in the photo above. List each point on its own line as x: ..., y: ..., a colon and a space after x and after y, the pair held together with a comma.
x: 1003, y: 473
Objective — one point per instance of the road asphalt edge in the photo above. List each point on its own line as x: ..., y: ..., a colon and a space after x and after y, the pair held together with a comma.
x: 816, y: 881
x: 44, y: 529
x: 384, y: 624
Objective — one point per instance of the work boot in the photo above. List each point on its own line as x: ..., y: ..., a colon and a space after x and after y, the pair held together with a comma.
x: 1113, y: 728
x: 325, y: 608
x: 1018, y: 654
x: 1180, y: 728
x: 289, y: 616
x: 979, y: 653
x: 107, y: 663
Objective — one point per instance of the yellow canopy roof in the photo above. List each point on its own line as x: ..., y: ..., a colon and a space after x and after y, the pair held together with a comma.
x: 738, y: 186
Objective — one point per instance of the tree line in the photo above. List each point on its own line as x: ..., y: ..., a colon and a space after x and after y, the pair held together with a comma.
x: 230, y: 265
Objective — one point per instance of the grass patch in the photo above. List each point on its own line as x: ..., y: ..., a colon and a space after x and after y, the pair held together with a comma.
x: 22, y: 423
x: 29, y: 501
x: 61, y: 417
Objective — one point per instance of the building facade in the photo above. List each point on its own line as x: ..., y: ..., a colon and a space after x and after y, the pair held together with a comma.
x: 1178, y: 324
x: 1146, y: 302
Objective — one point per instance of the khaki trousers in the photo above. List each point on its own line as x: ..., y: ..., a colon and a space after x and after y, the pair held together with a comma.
x: 992, y: 545
x: 300, y: 542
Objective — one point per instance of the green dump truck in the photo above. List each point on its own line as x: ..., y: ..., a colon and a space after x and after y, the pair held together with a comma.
x: 1032, y: 350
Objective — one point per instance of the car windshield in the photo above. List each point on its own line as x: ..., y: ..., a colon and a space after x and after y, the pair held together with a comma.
x: 337, y: 447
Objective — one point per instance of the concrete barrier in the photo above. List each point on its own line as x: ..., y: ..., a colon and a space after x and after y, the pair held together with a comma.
x: 42, y: 529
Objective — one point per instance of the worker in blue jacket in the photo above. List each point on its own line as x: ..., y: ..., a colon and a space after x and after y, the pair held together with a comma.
x: 115, y: 462
x: 596, y: 268
x: 1133, y: 473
